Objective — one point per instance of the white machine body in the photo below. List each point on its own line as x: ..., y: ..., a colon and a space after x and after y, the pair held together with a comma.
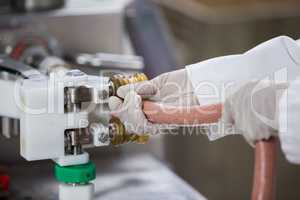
x: 76, y: 192
x: 44, y: 119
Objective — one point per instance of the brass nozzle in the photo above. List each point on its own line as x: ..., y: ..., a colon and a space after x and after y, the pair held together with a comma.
x: 118, y: 131
x: 119, y: 135
x: 119, y: 80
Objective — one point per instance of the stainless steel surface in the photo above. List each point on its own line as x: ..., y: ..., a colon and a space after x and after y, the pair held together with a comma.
x: 73, y: 144
x: 74, y: 97
x: 9, y: 127
x: 36, y: 5
x: 107, y: 64
x: 10, y: 6
x: 92, y: 26
x: 135, y: 177
x: 109, y: 61
x: 18, y: 68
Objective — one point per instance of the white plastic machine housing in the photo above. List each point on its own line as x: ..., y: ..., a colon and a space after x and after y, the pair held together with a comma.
x: 43, y: 119
x: 77, y: 192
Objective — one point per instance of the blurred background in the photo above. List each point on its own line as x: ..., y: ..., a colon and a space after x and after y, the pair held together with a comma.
x: 183, y: 32
x: 203, y: 29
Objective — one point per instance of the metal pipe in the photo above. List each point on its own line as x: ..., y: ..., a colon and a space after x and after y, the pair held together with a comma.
x: 158, y: 113
x: 264, y: 179
x: 265, y: 150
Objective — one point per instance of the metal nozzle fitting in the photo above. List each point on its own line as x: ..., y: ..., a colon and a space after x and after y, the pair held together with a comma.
x: 119, y: 80
x: 117, y: 130
x: 119, y: 135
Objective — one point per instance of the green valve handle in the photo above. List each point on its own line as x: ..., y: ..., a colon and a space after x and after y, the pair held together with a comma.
x: 78, y: 174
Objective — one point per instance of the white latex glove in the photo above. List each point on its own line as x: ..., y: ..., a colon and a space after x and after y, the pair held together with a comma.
x: 253, y: 109
x: 289, y: 124
x: 173, y: 88
x: 131, y: 114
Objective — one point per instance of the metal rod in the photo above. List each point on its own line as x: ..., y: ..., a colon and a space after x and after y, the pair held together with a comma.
x: 265, y: 151
x: 180, y: 115
x: 264, y: 179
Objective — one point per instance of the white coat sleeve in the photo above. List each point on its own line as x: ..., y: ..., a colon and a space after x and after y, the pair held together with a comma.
x: 216, y: 78
x: 289, y: 126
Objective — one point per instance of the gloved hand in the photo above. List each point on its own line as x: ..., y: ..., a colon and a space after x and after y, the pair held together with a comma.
x: 253, y: 109
x: 131, y: 114
x: 173, y: 88
x: 289, y: 124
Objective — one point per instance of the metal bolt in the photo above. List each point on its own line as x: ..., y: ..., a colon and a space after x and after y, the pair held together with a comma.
x: 103, y: 138
x: 103, y: 94
x: 101, y: 131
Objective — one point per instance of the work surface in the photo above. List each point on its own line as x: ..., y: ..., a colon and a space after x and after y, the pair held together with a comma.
x: 135, y: 177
